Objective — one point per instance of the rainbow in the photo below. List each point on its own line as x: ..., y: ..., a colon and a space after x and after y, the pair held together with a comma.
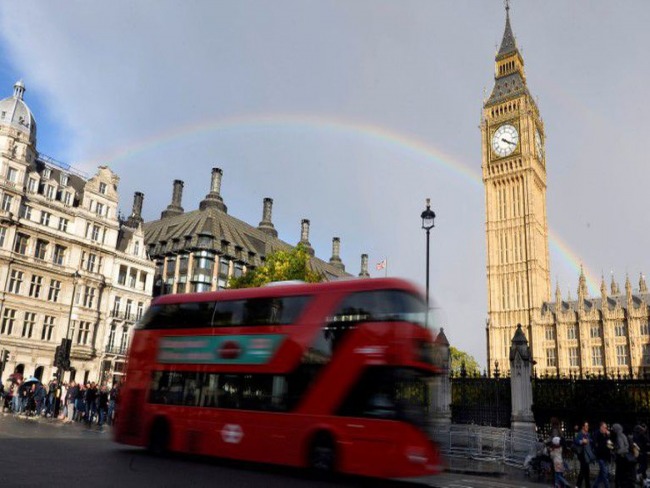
x: 381, y: 135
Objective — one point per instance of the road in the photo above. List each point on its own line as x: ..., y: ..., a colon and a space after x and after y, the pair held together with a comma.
x: 48, y: 453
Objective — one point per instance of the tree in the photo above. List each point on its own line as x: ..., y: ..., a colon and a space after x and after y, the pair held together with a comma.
x: 280, y: 265
x: 457, y: 359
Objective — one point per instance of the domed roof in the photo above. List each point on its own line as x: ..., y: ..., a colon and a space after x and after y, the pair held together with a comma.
x: 15, y: 112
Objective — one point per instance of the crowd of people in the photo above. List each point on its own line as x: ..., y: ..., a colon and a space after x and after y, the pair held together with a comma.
x: 607, y: 447
x: 70, y: 402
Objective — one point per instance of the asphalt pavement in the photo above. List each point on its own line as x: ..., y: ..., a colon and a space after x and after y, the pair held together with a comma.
x: 47, y: 452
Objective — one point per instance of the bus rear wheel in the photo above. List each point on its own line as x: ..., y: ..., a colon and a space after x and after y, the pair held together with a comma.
x: 322, y: 454
x: 159, y: 437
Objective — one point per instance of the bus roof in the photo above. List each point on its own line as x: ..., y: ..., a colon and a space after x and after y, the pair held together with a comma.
x: 287, y: 289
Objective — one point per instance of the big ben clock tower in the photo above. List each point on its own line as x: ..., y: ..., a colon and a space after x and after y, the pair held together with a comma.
x: 514, y: 175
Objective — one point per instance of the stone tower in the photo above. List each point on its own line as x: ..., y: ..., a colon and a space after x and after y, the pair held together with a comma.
x: 514, y: 175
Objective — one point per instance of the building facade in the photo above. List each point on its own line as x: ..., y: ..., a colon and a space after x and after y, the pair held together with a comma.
x: 63, y: 249
x: 606, y: 335
x: 200, y: 250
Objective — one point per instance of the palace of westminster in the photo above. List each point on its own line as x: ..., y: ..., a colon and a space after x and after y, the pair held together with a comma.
x: 72, y: 268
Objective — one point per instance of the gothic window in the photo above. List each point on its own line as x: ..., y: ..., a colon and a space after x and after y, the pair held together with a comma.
x: 646, y: 354
x: 574, y: 358
x: 549, y: 333
x: 622, y: 356
x: 597, y: 356
x: 645, y: 330
x: 551, y: 360
x: 572, y: 332
x: 620, y: 329
x: 595, y: 331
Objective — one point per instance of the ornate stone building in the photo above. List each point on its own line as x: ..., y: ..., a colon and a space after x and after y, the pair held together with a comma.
x: 603, y: 335
x: 201, y: 249
x: 65, y: 258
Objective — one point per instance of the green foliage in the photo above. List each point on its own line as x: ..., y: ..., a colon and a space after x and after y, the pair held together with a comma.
x: 281, y: 265
x: 457, y: 359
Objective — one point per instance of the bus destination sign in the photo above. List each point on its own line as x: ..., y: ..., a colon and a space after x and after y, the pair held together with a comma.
x: 231, y: 349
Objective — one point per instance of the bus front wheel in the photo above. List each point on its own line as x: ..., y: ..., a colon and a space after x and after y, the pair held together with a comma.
x: 322, y: 454
x: 159, y: 437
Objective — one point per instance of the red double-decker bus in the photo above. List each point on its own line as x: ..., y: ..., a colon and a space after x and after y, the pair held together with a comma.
x: 334, y: 376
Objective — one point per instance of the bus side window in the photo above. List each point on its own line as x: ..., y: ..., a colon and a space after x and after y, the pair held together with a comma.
x: 228, y: 314
x: 229, y: 391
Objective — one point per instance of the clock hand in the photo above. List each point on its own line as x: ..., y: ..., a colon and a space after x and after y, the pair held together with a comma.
x: 508, y: 142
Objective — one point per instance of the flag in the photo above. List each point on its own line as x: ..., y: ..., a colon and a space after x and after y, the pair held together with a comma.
x: 381, y: 265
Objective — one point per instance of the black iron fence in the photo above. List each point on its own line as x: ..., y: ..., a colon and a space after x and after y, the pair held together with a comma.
x: 480, y: 400
x: 574, y: 400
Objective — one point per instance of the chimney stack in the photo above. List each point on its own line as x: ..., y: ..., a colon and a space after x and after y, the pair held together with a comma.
x: 135, y: 218
x: 364, y: 267
x: 304, y: 236
x: 213, y: 199
x: 174, y: 208
x: 335, y: 260
x: 266, y: 225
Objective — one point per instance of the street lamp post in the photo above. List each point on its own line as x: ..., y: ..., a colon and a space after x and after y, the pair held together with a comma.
x: 427, y: 224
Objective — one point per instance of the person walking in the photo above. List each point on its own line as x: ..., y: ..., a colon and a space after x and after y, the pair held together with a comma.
x: 89, y: 400
x: 555, y: 451
x: 603, y: 449
x: 624, y: 477
x: 582, y: 444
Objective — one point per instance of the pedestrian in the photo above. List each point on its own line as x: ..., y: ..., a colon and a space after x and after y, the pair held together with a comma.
x: 39, y: 398
x: 89, y: 400
x: 112, y: 400
x: 102, y: 406
x: 640, y: 438
x: 555, y: 451
x: 51, y: 398
x: 624, y: 477
x: 582, y: 446
x: 603, y: 449
x: 70, y: 396
x: 79, y: 404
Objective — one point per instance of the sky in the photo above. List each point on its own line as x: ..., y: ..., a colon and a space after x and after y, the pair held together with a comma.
x: 351, y: 114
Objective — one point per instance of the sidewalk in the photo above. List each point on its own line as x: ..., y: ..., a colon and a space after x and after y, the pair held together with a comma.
x: 500, y: 472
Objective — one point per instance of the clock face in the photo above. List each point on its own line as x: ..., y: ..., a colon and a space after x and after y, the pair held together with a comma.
x: 505, y: 140
x: 538, y: 145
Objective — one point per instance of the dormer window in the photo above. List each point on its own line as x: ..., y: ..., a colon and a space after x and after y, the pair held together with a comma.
x: 31, y: 185
x: 67, y: 198
x: 49, y: 192
x: 47, y: 173
x: 102, y: 188
x: 63, y: 179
